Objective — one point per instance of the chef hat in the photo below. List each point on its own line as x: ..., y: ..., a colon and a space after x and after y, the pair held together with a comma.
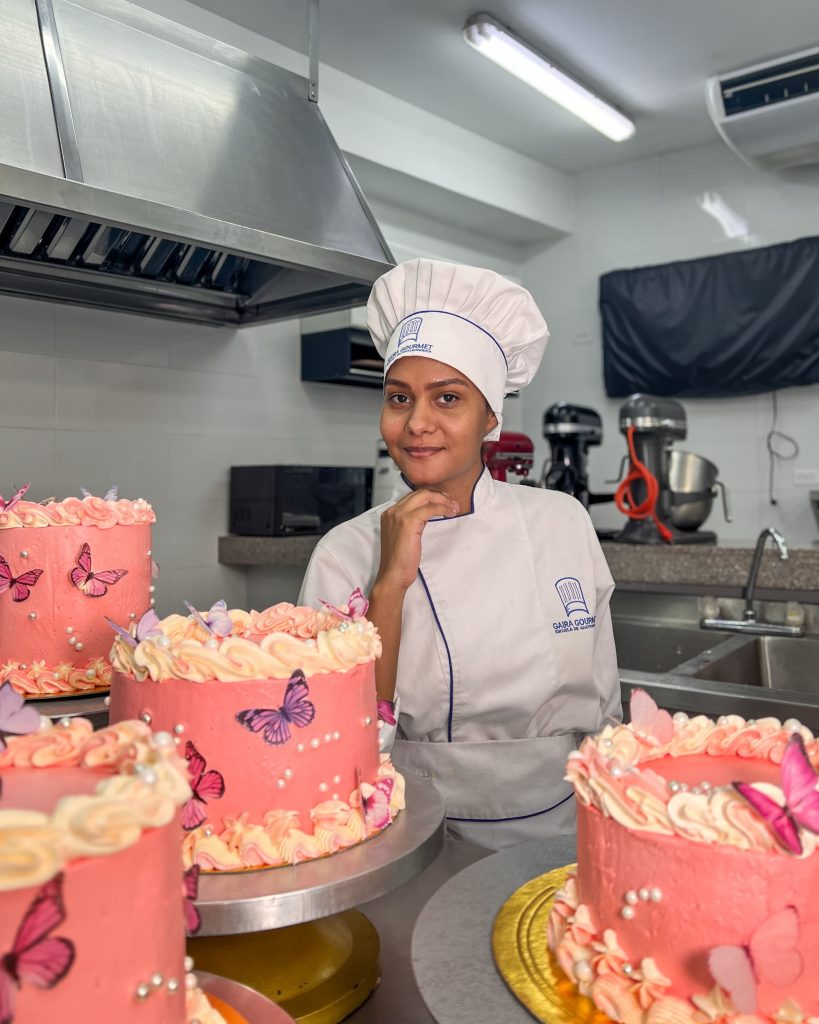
x: 474, y: 320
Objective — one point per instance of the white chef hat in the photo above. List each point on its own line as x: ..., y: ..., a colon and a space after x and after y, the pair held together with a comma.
x: 472, y: 319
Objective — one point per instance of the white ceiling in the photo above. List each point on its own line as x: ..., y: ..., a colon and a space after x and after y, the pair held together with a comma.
x: 650, y: 57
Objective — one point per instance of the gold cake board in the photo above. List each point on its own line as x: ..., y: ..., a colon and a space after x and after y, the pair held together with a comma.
x: 318, y: 972
x: 525, y: 962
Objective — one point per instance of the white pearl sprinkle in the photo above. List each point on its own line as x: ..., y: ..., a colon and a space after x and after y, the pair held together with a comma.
x: 153, y: 602
x: 281, y: 783
x: 679, y: 718
x: 212, y: 643
x: 163, y: 641
x: 323, y: 787
x: 684, y: 787
x: 583, y: 970
x: 299, y: 748
x: 78, y: 647
x: 69, y: 630
x: 616, y: 771
x: 705, y: 786
x: 722, y: 720
x: 90, y: 673
x: 188, y: 963
x: 146, y: 717
x: 336, y: 735
x: 315, y: 742
x: 24, y: 554
x: 207, y: 831
x: 337, y: 779
x: 173, y: 984
x: 674, y: 786
x: 142, y: 991
x: 55, y: 675
x: 65, y: 722
x: 311, y: 643
x: 179, y: 728
x: 149, y: 552
x: 751, y: 721
x: 627, y: 913
x: 327, y: 737
x: 644, y: 894
x: 631, y: 897
x: 335, y: 796
x: 151, y: 589
x: 106, y: 701
x: 368, y: 720
x: 696, y: 790
x: 132, y: 615
x: 163, y: 739
x: 148, y: 776
x: 191, y: 981
x: 343, y: 627
x: 608, y: 744
x: 157, y: 980
x: 288, y: 773
x: 792, y: 725
x: 656, y: 894
x: 72, y: 640
x: 628, y: 969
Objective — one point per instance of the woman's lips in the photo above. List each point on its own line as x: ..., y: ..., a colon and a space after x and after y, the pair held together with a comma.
x: 422, y: 453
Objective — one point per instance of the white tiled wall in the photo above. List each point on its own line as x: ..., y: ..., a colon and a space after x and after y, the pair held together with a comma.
x: 647, y: 212
x: 91, y: 398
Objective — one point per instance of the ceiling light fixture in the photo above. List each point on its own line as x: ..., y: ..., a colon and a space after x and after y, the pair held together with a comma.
x: 497, y: 43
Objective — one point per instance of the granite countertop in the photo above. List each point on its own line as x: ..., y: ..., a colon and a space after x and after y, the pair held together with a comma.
x: 693, y: 568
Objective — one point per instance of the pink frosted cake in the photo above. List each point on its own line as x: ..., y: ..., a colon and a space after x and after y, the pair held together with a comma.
x: 92, y: 896
x: 64, y: 566
x: 276, y: 714
x: 696, y: 893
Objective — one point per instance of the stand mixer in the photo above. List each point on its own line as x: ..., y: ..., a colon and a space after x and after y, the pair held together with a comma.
x: 650, y: 425
x: 511, y: 453
x: 571, y: 430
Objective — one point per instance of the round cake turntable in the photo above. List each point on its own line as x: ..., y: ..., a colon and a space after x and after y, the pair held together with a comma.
x: 290, y: 932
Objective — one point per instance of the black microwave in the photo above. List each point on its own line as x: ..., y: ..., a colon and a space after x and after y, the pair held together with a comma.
x: 279, y: 501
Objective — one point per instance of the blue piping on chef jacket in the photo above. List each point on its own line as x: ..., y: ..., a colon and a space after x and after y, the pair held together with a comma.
x: 518, y: 817
x: 432, y: 606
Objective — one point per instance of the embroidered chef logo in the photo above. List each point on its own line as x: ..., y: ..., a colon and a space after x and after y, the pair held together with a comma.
x: 575, y: 607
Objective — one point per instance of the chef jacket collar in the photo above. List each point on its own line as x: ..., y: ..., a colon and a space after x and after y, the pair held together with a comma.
x: 481, y: 495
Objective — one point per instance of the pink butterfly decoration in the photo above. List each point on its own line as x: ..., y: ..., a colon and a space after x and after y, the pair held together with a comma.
x: 799, y: 780
x: 206, y: 785
x: 93, y: 584
x: 216, y: 621
x: 357, y: 606
x: 386, y: 712
x: 35, y: 959
x: 375, y: 802
x: 190, y: 890
x: 146, y: 628
x: 7, y: 506
x: 771, y: 956
x: 274, y: 723
x: 20, y: 586
x: 110, y: 495
x: 16, y: 716
x: 647, y: 718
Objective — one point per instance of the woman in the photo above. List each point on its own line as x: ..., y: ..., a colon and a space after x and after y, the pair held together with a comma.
x: 492, y: 599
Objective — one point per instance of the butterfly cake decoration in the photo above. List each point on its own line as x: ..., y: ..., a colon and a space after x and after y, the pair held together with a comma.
x: 20, y: 586
x: 274, y: 723
x: 17, y: 718
x: 205, y: 785
x: 8, y: 505
x: 89, y: 582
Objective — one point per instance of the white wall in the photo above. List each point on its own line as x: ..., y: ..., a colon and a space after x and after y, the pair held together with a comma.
x: 647, y: 212
x: 91, y: 398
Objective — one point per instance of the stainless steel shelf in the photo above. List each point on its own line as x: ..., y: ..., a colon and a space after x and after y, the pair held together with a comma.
x: 93, y: 707
x: 252, y: 901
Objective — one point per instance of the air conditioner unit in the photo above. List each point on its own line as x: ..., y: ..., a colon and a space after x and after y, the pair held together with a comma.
x: 769, y: 113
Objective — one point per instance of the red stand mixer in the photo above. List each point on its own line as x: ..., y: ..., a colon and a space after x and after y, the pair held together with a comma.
x: 511, y: 453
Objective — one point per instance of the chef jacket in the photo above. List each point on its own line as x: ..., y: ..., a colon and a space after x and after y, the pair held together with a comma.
x: 506, y: 657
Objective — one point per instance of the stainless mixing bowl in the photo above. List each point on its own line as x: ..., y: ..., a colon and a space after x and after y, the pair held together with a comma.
x: 690, y: 474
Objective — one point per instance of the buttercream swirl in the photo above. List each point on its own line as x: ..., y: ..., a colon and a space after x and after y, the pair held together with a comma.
x: 41, y: 680
x: 90, y: 511
x: 262, y: 645
x: 612, y: 772
x: 281, y: 839
x: 143, y: 783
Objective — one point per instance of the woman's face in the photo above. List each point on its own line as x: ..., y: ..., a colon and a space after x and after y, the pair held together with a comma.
x: 433, y: 422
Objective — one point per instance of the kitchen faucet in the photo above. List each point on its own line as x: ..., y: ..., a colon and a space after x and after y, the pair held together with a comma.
x: 750, y: 623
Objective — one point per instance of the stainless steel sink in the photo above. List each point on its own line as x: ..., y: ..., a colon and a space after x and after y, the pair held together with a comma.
x: 777, y: 663
x: 643, y: 647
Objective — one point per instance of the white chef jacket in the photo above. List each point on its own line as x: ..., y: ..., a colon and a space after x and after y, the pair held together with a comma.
x: 506, y: 658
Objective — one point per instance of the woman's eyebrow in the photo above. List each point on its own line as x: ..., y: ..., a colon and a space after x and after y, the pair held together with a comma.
x: 446, y: 383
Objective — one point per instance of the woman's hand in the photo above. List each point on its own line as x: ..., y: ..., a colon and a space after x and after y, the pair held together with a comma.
x: 401, y: 527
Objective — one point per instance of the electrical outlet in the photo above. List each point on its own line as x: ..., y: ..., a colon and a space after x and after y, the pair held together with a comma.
x: 583, y: 337
x: 805, y: 477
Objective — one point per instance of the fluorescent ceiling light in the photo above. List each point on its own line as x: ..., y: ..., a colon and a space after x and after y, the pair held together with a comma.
x: 497, y: 43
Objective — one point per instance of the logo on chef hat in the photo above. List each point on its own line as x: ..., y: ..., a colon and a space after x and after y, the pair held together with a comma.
x: 571, y: 594
x: 409, y: 331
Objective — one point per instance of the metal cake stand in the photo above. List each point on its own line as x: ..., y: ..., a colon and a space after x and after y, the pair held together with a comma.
x: 92, y: 707
x: 254, y: 901
x: 289, y: 932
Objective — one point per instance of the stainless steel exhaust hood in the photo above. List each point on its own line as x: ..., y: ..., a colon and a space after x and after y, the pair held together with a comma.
x: 145, y: 167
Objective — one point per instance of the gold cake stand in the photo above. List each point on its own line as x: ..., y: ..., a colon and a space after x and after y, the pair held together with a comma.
x: 291, y: 932
x: 525, y: 962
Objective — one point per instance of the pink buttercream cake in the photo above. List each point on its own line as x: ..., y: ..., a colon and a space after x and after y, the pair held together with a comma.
x: 275, y: 712
x: 695, y: 897
x: 64, y: 566
x: 92, y: 900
